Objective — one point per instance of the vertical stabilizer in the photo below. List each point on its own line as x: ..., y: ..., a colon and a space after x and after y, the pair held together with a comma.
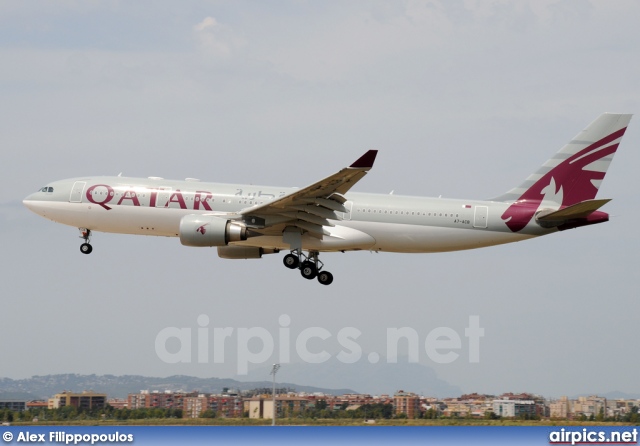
x: 572, y: 176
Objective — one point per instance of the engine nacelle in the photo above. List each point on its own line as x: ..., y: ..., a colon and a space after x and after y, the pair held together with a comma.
x: 205, y: 230
x: 243, y: 252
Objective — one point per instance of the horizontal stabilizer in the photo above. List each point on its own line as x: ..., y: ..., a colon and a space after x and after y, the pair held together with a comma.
x: 579, y: 214
x: 580, y: 210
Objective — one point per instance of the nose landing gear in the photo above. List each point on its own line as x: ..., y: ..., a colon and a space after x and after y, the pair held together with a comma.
x: 86, y: 247
x: 310, y: 267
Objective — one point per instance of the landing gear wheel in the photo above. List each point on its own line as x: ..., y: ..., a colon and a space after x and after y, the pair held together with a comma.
x: 291, y: 261
x: 86, y: 248
x: 308, y: 270
x: 325, y: 277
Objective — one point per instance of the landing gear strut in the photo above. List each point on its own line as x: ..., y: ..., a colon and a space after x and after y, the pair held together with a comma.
x: 85, y: 248
x: 310, y: 266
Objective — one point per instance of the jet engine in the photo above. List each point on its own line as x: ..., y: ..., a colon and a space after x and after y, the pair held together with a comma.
x: 206, y: 230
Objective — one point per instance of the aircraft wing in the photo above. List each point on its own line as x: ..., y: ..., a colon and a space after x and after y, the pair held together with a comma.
x: 311, y: 207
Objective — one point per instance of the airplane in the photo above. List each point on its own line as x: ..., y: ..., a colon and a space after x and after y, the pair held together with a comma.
x: 246, y: 221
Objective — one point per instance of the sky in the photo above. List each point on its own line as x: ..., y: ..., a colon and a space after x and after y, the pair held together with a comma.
x: 463, y: 99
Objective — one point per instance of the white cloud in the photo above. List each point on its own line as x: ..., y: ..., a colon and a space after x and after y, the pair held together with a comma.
x: 215, y: 39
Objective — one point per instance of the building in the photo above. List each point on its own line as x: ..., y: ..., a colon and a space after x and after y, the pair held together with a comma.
x: 560, y: 408
x: 514, y: 408
x: 194, y: 406
x: 286, y: 406
x: 406, y: 403
x: 255, y: 407
x: 14, y: 405
x: 118, y: 403
x: 163, y: 400
x: 34, y: 405
x: 589, y: 406
x: 227, y: 405
x: 86, y: 400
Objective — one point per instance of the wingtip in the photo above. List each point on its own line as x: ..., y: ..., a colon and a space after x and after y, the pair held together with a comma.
x: 366, y: 160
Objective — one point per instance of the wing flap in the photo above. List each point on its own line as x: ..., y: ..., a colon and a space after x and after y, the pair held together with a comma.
x: 319, y: 211
x: 308, y: 218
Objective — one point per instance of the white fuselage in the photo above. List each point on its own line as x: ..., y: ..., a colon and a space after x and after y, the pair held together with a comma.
x: 377, y: 222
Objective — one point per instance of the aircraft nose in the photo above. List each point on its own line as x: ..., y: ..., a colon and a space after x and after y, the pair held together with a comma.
x: 30, y: 202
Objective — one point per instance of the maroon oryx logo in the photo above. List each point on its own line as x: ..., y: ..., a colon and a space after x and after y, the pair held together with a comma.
x: 570, y: 182
x: 202, y: 229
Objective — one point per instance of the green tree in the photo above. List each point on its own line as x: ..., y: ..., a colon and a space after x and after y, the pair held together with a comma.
x: 490, y: 415
x: 632, y: 416
x: 321, y: 404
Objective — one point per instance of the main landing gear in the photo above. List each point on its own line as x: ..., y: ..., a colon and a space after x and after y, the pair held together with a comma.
x: 85, y: 248
x: 310, y: 267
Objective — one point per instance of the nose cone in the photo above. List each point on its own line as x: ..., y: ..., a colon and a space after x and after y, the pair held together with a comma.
x: 36, y: 204
x: 29, y: 201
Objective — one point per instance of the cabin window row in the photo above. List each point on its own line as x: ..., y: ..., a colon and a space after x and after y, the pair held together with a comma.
x: 424, y: 214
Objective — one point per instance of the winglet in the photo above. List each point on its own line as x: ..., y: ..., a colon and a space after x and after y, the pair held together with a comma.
x: 366, y: 160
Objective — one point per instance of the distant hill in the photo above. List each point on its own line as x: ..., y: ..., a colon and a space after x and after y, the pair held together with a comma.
x: 375, y: 379
x: 43, y: 387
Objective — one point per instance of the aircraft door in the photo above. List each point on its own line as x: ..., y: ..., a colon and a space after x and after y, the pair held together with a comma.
x: 163, y: 197
x: 76, y: 192
x: 480, y: 217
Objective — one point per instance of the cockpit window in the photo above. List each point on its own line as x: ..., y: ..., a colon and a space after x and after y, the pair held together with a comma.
x: 46, y: 189
x: 50, y: 189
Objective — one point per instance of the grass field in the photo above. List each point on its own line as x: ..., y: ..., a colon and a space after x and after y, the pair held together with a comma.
x: 317, y: 422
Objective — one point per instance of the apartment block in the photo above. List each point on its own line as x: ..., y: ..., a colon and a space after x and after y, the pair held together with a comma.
x: 514, y: 408
x: 406, y: 403
x: 86, y: 400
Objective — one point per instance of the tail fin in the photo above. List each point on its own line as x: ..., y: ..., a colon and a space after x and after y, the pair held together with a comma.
x: 572, y: 176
